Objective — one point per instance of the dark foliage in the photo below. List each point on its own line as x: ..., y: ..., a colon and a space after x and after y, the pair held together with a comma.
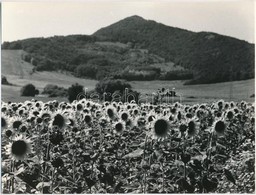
x: 74, y: 91
x: 29, y: 90
x: 54, y: 91
x: 5, y: 81
x: 110, y: 86
x: 116, y: 89
x: 211, y: 57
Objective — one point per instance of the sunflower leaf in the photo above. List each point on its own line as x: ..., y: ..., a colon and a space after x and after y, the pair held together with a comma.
x: 134, y: 154
x: 41, y: 184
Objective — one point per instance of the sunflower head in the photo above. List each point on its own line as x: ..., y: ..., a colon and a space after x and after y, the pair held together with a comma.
x: 88, y: 118
x: 230, y: 114
x: 111, y: 112
x: 59, y: 120
x: 17, y: 122
x: 8, y: 133
x: 4, y: 123
x: 19, y: 148
x: 79, y: 107
x: 182, y: 127
x: 119, y: 127
x: 192, y: 128
x: 150, y: 118
x: 124, y: 116
x: 219, y: 127
x: 161, y: 128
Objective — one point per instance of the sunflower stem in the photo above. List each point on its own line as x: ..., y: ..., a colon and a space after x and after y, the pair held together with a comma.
x: 12, y: 169
x: 185, y: 171
x: 210, y: 146
x: 162, y: 176
x: 144, y: 154
x: 52, y: 183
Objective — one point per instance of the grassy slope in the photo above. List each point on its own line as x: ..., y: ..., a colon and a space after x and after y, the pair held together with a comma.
x: 12, y: 68
x: 17, y: 72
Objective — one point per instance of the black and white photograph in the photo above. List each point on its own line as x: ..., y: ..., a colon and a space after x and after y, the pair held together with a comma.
x: 118, y: 97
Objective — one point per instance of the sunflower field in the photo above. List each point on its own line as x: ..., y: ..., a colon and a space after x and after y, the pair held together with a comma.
x: 88, y: 147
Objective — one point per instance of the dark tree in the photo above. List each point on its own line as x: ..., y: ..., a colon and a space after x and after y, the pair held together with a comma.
x: 74, y: 91
x: 29, y: 90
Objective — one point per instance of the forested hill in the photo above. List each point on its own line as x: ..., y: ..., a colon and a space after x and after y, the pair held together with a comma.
x: 211, y: 56
x: 139, y: 49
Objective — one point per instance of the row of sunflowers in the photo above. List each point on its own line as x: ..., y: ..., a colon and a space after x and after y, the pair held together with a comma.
x: 110, y: 147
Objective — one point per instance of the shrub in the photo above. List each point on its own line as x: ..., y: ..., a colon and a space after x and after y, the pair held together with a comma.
x: 26, y: 57
x: 74, y: 91
x: 117, y: 86
x: 5, y: 81
x: 54, y: 91
x: 110, y: 86
x: 29, y: 90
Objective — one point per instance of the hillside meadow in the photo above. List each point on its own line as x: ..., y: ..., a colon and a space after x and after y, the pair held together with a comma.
x: 18, y: 73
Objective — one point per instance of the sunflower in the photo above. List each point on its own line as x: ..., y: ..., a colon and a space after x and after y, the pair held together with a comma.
x: 124, y: 116
x: 59, y: 120
x: 160, y: 128
x: 150, y: 118
x: 140, y: 121
x: 79, y: 107
x: 19, y: 148
x: 8, y: 133
x: 220, y: 104
x: 219, y: 127
x: 119, y: 127
x: 45, y: 115
x: 192, y: 127
x: 111, y: 112
x: 88, y: 118
x: 183, y: 127
x: 16, y: 122
x: 4, y: 122
x: 230, y: 114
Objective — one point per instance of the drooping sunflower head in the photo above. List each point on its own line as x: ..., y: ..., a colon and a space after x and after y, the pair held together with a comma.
x: 220, y: 104
x: 4, y: 122
x: 111, y: 112
x: 19, y: 148
x: 183, y: 127
x: 79, y: 107
x: 88, y: 118
x: 192, y: 128
x: 160, y: 128
x: 219, y: 127
x: 59, y: 120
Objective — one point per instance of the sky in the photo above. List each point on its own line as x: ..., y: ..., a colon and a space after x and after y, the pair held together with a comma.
x: 28, y: 19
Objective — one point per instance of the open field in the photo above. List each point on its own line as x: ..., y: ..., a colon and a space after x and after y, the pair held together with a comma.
x: 18, y: 73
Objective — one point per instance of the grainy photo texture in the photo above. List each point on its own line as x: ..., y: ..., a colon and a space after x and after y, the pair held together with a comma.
x: 128, y: 97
